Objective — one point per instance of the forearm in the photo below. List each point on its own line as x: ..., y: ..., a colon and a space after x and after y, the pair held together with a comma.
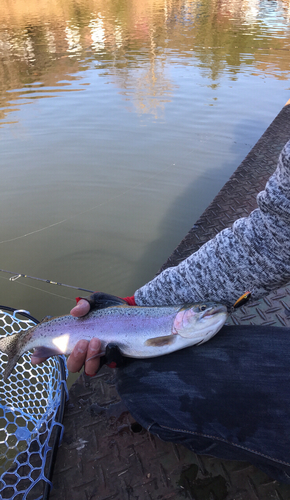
x: 252, y: 255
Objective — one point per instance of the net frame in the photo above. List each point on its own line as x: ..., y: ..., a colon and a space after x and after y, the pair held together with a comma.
x: 32, y: 403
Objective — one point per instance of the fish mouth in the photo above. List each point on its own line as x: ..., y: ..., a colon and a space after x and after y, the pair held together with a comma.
x: 215, y: 310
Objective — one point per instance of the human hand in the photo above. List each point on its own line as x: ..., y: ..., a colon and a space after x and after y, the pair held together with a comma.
x: 84, y: 351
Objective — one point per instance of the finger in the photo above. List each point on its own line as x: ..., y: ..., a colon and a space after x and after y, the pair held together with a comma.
x: 80, y: 309
x: 78, y: 356
x: 93, y: 363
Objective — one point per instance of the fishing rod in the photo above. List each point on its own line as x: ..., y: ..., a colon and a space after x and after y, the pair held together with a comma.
x: 240, y: 302
x: 16, y: 276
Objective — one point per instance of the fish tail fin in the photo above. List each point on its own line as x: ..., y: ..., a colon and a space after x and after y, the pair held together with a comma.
x: 9, y: 346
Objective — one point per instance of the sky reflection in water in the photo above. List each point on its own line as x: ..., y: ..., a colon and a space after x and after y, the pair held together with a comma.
x: 120, y: 121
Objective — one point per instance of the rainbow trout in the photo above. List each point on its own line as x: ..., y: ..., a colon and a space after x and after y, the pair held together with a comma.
x: 139, y: 332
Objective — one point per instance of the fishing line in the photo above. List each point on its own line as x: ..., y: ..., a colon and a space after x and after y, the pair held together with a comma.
x: 84, y: 211
x: 33, y: 232
x: 138, y: 184
x: 126, y: 191
x: 16, y: 276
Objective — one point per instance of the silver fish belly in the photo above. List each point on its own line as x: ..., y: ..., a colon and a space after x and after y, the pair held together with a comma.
x: 139, y: 332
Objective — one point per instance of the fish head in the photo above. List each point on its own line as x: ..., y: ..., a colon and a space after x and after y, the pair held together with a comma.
x: 204, y: 319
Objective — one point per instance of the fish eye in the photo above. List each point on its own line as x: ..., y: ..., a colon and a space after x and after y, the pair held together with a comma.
x: 202, y: 308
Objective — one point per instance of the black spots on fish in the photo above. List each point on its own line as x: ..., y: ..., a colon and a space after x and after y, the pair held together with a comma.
x: 160, y: 341
x: 10, y: 346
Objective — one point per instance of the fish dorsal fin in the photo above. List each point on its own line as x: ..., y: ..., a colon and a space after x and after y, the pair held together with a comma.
x: 46, y: 318
x: 160, y: 341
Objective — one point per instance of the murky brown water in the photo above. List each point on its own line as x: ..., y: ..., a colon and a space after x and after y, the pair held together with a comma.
x: 120, y: 121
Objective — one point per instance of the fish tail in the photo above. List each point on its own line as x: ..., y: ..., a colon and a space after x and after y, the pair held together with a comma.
x: 9, y: 346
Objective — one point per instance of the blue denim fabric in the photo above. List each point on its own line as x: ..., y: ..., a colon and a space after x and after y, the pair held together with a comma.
x: 228, y: 398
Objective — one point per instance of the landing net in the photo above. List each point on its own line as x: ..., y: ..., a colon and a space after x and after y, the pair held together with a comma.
x: 31, y: 411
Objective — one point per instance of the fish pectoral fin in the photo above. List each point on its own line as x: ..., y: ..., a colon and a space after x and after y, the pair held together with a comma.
x: 161, y: 341
x: 46, y: 352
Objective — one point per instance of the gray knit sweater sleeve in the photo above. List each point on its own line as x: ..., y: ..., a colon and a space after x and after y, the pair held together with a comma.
x: 254, y: 254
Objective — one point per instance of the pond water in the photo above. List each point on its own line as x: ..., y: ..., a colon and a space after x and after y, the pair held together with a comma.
x: 119, y: 122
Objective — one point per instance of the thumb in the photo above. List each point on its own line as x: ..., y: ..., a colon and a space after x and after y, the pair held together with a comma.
x: 81, y: 309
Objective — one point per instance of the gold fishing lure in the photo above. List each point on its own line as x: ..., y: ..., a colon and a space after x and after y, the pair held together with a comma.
x: 242, y: 300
